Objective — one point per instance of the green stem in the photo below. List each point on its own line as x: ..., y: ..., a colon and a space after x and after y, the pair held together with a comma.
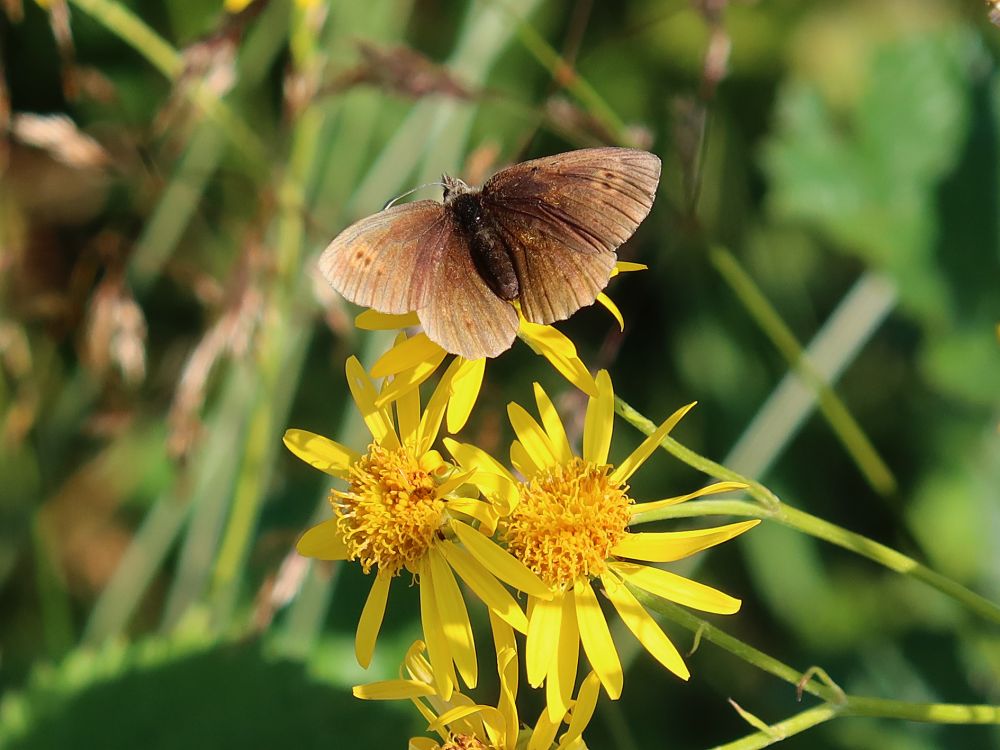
x: 784, y: 729
x: 844, y: 426
x: 771, y: 508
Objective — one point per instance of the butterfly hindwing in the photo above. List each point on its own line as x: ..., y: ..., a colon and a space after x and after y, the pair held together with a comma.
x: 461, y: 313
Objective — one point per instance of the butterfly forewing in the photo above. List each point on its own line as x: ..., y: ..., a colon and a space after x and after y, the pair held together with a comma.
x: 386, y: 261
x: 563, y: 217
x: 461, y: 313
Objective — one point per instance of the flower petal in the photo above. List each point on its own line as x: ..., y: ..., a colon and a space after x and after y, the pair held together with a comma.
x: 596, y: 639
x: 597, y: 425
x: 391, y: 690
x: 320, y: 452
x: 364, y: 394
x: 371, y: 619
x: 560, y: 352
x: 478, y: 510
x: 437, y: 644
x: 464, y: 392
x: 562, y: 673
x: 521, y: 460
x: 627, y: 467
x: 644, y: 627
x: 500, y: 562
x: 507, y: 704
x: 583, y: 710
x: 471, y: 457
x: 323, y: 541
x: 612, y: 308
x: 484, y: 585
x: 624, y: 266
x: 452, y: 483
x: 408, y: 415
x: 406, y: 354
x: 531, y: 435
x: 553, y: 425
x: 430, y: 423
x: 407, y: 380
x: 544, y: 732
x: 454, y: 617
x: 667, y: 546
x: 713, y: 489
x: 543, y: 630
x: 679, y: 589
x: 371, y: 320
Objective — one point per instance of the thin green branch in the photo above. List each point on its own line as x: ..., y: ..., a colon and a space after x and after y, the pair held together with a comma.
x: 771, y: 508
x: 782, y: 730
x: 844, y: 426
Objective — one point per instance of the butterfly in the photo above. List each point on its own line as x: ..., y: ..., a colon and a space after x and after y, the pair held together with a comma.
x: 542, y: 233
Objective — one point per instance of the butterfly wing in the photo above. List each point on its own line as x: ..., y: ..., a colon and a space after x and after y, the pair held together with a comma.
x: 562, y: 217
x: 461, y: 313
x: 386, y: 260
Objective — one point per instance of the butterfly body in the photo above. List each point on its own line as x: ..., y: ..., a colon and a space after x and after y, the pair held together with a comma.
x: 543, y: 233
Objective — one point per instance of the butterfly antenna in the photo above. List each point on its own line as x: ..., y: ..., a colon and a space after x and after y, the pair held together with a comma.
x: 390, y: 203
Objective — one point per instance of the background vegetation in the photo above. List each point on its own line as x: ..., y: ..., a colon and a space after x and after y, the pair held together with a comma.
x: 161, y: 324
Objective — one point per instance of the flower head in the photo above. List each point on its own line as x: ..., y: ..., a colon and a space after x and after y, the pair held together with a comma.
x: 418, y: 357
x: 464, y: 725
x: 406, y: 508
x: 571, y: 528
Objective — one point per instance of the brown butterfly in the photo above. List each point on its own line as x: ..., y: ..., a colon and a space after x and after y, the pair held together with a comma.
x: 543, y: 232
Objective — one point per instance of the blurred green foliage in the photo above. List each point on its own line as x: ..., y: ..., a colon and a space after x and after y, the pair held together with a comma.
x: 161, y: 325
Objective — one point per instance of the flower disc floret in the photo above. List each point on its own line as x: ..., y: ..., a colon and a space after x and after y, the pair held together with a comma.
x: 390, y: 515
x: 569, y: 519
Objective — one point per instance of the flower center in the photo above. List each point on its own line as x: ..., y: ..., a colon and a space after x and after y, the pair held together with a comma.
x: 389, y: 517
x: 464, y: 742
x: 569, y: 519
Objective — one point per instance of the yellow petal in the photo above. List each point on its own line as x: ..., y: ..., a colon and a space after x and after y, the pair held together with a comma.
x: 464, y: 392
x: 507, y: 704
x: 596, y: 639
x: 562, y: 673
x: 408, y: 415
x: 454, y: 617
x: 644, y: 627
x: 500, y: 562
x: 668, y: 546
x: 437, y: 644
x: 544, y: 732
x: 371, y: 619
x: 407, y: 380
x: 392, y: 690
x: 713, y: 489
x: 598, y: 423
x: 484, y: 585
x: 543, y: 630
x: 679, y: 589
x: 456, y: 480
x: 471, y: 457
x: 364, y: 394
x: 612, y: 308
x: 492, y: 479
x: 323, y: 541
x: 477, y: 510
x: 560, y: 352
x: 583, y: 710
x: 627, y: 467
x: 406, y: 354
x: 370, y: 320
x: 531, y: 435
x: 521, y: 461
x: 320, y: 452
x: 553, y: 426
x: 430, y: 423
x: 624, y: 266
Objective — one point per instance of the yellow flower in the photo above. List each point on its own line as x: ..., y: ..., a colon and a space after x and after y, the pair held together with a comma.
x: 405, y: 507
x: 419, y: 357
x: 464, y: 725
x: 571, y: 528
